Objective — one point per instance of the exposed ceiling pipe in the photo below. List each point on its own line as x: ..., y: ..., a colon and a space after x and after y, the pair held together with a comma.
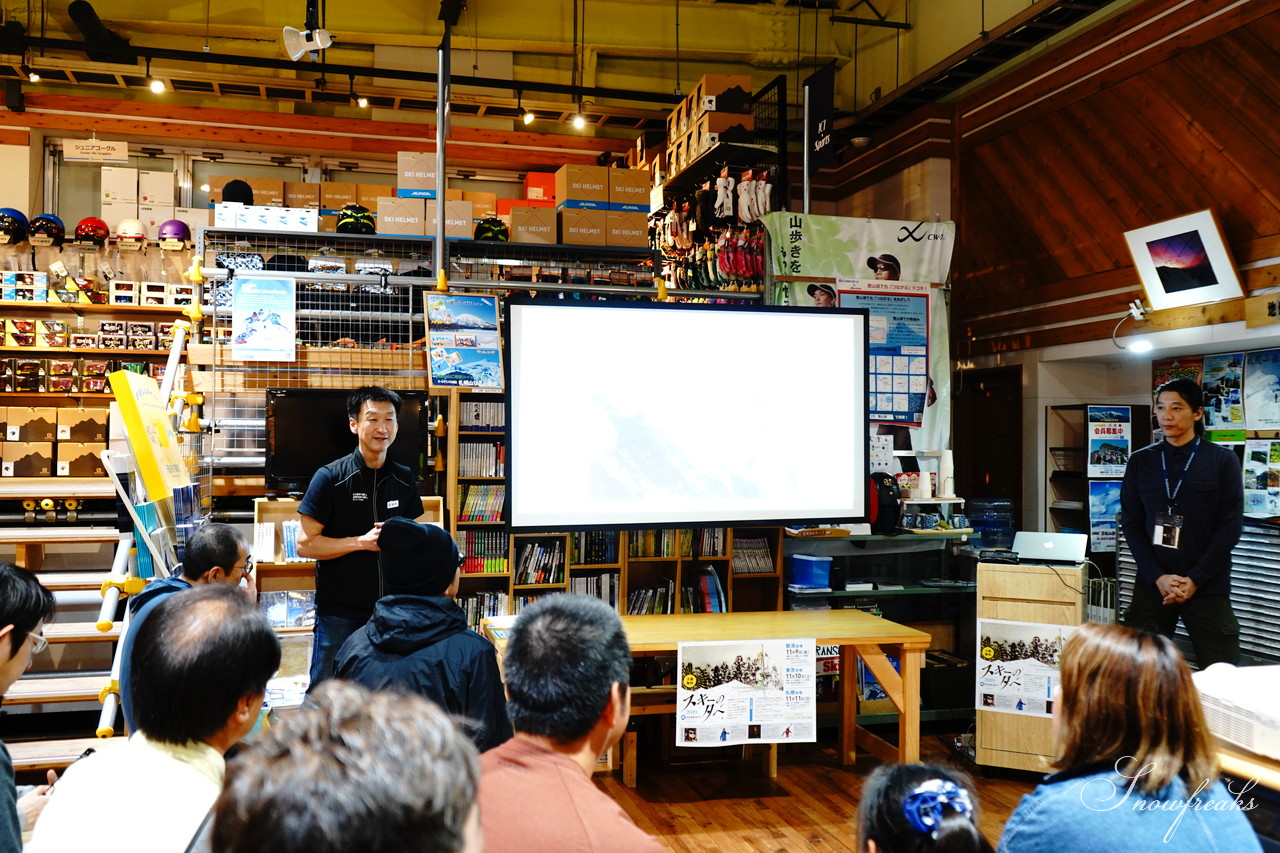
x: 102, y: 43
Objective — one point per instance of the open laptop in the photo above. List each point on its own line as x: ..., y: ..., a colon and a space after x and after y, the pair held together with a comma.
x: 1050, y: 549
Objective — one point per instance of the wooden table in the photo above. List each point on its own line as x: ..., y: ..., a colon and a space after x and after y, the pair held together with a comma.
x: 859, y: 635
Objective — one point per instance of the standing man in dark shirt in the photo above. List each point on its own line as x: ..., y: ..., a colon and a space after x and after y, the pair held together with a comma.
x: 1182, y: 506
x: 341, y: 516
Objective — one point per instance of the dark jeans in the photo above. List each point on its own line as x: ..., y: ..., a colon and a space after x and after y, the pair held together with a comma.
x: 330, y: 633
x: 1209, y: 620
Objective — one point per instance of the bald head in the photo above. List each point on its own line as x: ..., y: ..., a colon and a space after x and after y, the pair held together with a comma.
x: 198, y: 654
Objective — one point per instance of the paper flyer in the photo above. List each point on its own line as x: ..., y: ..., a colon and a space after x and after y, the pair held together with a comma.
x: 263, y: 319
x: 463, y: 347
x: 1223, y: 386
x: 1262, y: 389
x: 898, y: 346
x: 1262, y: 477
x: 1104, y: 507
x: 1168, y: 369
x: 1018, y: 666
x: 761, y: 691
x: 1110, y: 431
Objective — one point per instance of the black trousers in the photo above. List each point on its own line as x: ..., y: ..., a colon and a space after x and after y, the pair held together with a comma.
x: 1209, y: 620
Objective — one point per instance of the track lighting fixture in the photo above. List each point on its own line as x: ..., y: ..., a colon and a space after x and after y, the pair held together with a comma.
x: 1139, y: 345
x: 526, y: 116
x: 30, y: 73
x: 359, y: 100
x: 579, y: 121
x: 155, y: 84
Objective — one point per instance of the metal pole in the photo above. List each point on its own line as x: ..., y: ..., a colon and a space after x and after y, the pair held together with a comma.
x: 442, y: 131
x: 808, y: 144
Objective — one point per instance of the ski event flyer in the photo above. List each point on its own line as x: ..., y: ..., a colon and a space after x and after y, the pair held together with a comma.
x: 264, y: 324
x: 742, y: 692
x: 1018, y: 666
x: 462, y: 343
x: 898, y: 343
x: 1110, y: 440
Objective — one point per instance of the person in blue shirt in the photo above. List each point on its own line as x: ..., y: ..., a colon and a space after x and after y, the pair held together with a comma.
x: 1138, y: 770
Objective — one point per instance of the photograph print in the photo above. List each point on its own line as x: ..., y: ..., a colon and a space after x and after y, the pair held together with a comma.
x: 1184, y: 261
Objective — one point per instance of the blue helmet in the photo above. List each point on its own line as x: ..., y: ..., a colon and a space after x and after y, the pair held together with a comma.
x: 14, y: 224
x: 49, y: 226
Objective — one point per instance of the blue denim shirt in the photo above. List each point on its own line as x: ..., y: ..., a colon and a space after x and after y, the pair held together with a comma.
x: 1098, y: 810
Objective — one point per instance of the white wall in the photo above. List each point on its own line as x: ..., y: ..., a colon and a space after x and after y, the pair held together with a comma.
x: 15, y: 165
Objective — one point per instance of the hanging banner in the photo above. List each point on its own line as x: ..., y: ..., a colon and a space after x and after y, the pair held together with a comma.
x: 1110, y: 440
x: 463, y: 341
x: 761, y: 691
x: 1223, y: 386
x: 264, y: 324
x: 819, y: 99
x: 898, y: 346
x: 1018, y: 666
x: 95, y: 151
x: 1104, y: 506
x: 1262, y: 389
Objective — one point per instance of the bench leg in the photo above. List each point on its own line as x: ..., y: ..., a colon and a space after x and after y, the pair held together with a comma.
x: 30, y: 556
x: 629, y: 759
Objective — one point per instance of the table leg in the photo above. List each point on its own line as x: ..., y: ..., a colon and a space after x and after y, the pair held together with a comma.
x: 909, y: 714
x: 848, y: 704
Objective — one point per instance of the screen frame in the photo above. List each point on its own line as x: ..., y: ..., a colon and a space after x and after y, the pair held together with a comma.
x: 512, y: 326
x: 277, y: 484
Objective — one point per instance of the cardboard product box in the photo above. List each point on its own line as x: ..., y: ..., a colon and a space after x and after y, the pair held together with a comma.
x: 582, y: 187
x: 540, y: 186
x: 112, y: 327
x: 62, y: 367
x: 713, y: 128
x: 193, y: 216
x: 402, y: 216
x: 335, y: 196
x: 80, y: 459
x: 119, y: 184
x: 156, y: 189
x: 123, y: 293
x: 416, y: 174
x: 302, y: 219
x: 154, y: 293
x: 627, y: 228
x: 62, y: 384
x: 629, y: 190
x: 26, y: 459
x: 94, y: 366
x: 506, y: 205
x: 678, y: 121
x: 458, y: 224
x: 228, y: 215
x: 179, y: 294
x: 140, y: 327
x: 648, y: 143
x: 328, y: 224
x: 115, y: 212
x: 19, y: 332
x: 583, y: 227
x: 112, y: 342
x: 93, y: 385
x: 454, y: 195
x: 303, y: 194
x: 31, y: 423
x: 483, y: 204
x: 267, y: 192
x: 142, y: 342
x: 84, y: 341
x: 725, y: 93
x: 51, y: 333
x: 152, y: 215
x: 4, y: 410
x: 533, y: 225
x: 368, y: 194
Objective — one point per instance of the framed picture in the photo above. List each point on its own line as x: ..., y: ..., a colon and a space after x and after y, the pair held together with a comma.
x: 1184, y: 261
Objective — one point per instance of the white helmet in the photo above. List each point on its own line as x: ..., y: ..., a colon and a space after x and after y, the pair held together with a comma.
x: 131, y: 229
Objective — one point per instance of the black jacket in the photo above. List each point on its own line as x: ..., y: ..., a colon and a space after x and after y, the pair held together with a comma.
x: 421, y: 644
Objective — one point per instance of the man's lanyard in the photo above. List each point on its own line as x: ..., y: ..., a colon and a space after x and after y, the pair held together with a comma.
x: 1172, y: 493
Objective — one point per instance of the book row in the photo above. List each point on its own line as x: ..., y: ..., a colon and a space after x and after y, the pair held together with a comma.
x: 678, y: 542
x: 540, y: 562
x: 482, y: 605
x: 593, y: 547
x: 482, y: 459
x: 483, y: 551
x: 481, y: 502
x: 752, y: 557
x: 602, y: 586
x: 478, y: 416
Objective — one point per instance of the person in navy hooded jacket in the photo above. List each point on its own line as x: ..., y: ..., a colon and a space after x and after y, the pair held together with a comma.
x: 417, y: 640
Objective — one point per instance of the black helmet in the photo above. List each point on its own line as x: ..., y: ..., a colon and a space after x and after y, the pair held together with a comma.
x: 48, y: 225
x: 356, y: 219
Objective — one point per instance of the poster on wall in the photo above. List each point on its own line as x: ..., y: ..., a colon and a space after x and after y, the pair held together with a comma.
x: 1168, y: 369
x: 1262, y: 477
x: 462, y: 341
x: 1223, y: 385
x: 1104, y: 507
x: 1110, y: 440
x: 1018, y: 666
x: 898, y: 346
x: 264, y: 324
x: 760, y: 691
x: 1262, y: 389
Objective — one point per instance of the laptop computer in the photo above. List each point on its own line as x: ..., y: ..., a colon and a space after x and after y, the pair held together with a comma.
x: 1050, y: 549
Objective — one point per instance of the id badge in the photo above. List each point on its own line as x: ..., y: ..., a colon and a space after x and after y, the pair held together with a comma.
x: 1168, y: 531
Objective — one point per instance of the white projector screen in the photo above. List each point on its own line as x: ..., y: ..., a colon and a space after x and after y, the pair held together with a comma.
x: 649, y: 414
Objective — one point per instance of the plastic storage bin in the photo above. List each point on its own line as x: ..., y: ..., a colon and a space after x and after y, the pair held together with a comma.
x: 808, y: 570
x: 992, y: 519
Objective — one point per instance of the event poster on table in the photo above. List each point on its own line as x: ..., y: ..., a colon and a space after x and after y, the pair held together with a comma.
x: 1104, y: 507
x: 1110, y: 431
x: 760, y: 691
x: 1018, y: 666
x: 264, y: 324
x: 462, y: 343
x: 898, y: 345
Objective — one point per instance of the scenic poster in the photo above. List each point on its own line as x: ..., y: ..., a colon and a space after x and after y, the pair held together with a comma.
x: 1018, y: 666
x: 898, y: 345
x: 1223, y: 384
x: 263, y: 320
x: 760, y: 691
x: 1262, y: 389
x: 462, y: 344
x: 1262, y: 477
x: 1110, y: 431
x: 1104, y: 506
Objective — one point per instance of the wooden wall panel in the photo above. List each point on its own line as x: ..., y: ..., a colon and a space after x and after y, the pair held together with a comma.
x: 1046, y: 189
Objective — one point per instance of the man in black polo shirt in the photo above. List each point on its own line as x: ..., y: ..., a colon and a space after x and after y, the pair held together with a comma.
x: 341, y: 516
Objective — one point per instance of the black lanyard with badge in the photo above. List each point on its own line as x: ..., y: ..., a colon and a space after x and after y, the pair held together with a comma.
x: 1168, y: 527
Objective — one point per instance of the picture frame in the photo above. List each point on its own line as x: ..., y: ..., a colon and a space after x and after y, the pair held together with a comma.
x: 1184, y: 261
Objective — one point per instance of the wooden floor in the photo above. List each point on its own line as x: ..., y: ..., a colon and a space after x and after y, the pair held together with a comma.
x: 812, y: 804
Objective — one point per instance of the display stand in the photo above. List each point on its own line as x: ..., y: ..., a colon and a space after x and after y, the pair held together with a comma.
x: 1051, y: 595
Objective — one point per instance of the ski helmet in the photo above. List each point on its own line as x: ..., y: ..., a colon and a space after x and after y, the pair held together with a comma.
x: 48, y: 225
x: 92, y: 230
x: 131, y: 229
x: 356, y: 219
x: 175, y: 229
x: 13, y: 225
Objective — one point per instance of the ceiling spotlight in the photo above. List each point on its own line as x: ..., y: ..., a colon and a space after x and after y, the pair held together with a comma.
x: 579, y: 121
x: 155, y: 84
x: 362, y: 102
x: 1136, y: 312
x: 299, y: 42
x: 526, y: 116
x: 32, y: 75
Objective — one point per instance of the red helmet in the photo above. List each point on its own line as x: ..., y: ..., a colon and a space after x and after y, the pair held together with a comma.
x: 92, y: 230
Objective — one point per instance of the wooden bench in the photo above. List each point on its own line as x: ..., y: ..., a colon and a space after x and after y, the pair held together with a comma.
x: 30, y: 541
x: 72, y: 581
x: 80, y: 632
x: 52, y: 754
x: 34, y: 690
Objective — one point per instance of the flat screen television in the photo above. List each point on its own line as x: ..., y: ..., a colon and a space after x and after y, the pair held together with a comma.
x: 637, y: 414
x: 307, y: 428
